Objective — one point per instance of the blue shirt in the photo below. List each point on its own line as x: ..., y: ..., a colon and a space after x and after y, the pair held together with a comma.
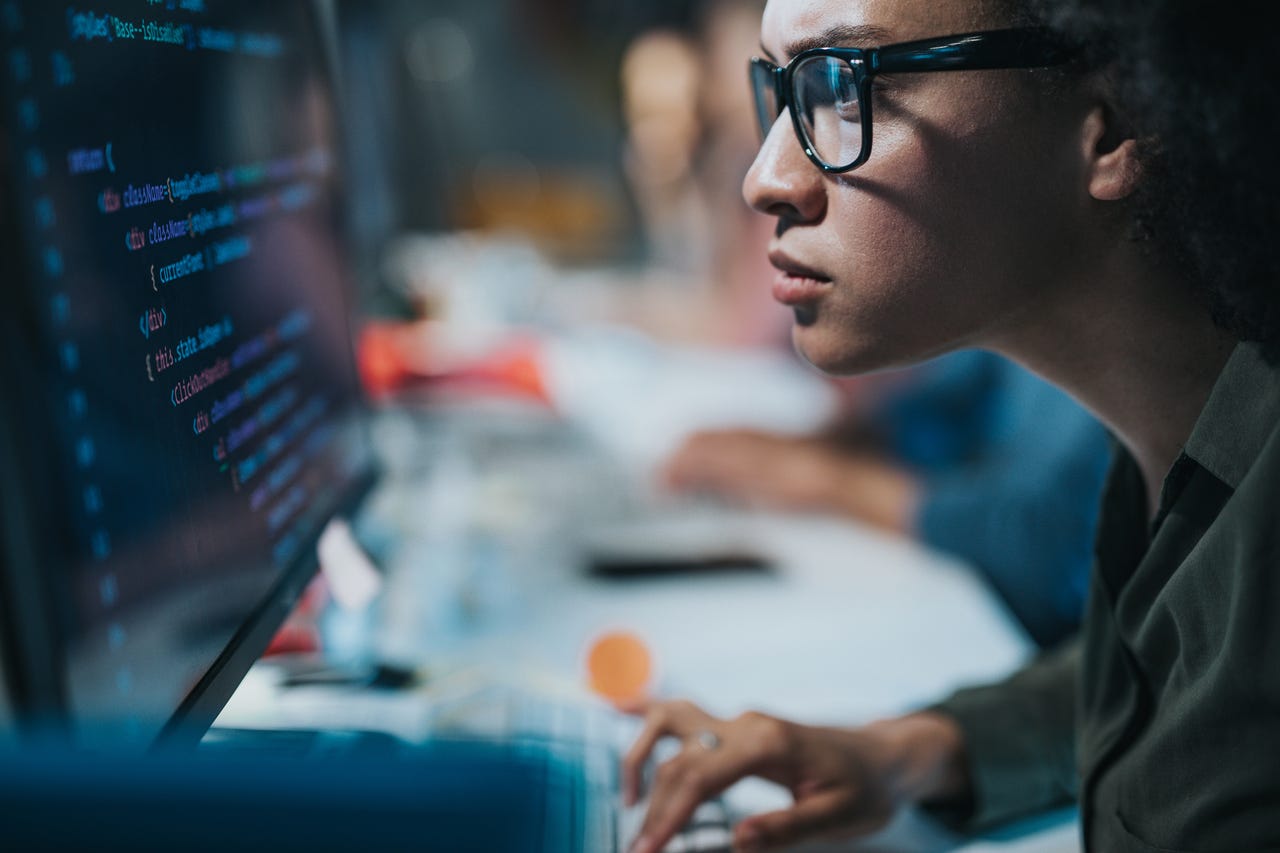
x: 1014, y: 470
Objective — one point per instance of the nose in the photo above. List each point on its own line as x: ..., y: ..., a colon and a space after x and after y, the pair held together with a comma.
x: 782, y: 181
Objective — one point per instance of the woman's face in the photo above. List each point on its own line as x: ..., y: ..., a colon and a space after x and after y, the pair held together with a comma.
x: 964, y: 225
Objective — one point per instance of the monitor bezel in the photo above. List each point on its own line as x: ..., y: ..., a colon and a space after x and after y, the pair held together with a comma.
x: 35, y: 677
x: 201, y: 707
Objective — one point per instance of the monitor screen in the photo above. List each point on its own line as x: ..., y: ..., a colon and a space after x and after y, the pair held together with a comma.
x: 178, y: 379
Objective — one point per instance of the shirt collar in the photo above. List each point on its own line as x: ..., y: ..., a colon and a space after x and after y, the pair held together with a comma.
x: 1241, y: 415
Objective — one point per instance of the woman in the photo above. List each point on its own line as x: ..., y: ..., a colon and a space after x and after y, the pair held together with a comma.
x: 1105, y: 216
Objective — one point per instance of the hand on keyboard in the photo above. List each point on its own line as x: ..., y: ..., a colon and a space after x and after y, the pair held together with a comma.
x: 845, y: 782
x: 708, y: 831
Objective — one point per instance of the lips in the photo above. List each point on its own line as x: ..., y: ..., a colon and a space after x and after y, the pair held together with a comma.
x: 796, y: 283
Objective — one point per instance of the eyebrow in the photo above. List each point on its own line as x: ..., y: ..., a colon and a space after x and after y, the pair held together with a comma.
x: 840, y: 35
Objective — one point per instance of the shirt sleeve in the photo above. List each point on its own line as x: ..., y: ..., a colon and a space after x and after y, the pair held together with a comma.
x: 1020, y: 739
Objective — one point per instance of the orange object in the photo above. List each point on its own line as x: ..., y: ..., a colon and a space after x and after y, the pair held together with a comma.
x: 393, y: 356
x: 619, y: 667
x: 299, y: 633
x: 293, y: 639
x: 516, y: 366
x: 378, y: 358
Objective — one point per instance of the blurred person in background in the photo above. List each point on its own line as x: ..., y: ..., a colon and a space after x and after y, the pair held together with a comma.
x: 970, y: 454
x: 688, y: 144
x: 660, y: 77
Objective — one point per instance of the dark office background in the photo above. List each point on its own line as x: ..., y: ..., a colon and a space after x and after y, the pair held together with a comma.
x: 493, y: 113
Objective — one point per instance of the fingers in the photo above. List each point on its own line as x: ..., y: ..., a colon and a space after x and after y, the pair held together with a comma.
x: 840, y: 778
x: 678, y: 719
x: 751, y: 743
x: 682, y: 784
x: 634, y: 761
x: 684, y: 470
x: 814, y: 817
x: 717, y: 475
x: 757, y: 469
x: 711, y: 460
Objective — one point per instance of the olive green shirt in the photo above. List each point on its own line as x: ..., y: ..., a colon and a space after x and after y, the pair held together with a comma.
x: 1164, y: 716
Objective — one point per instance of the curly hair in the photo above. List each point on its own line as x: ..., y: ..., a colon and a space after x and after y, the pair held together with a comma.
x: 1199, y: 81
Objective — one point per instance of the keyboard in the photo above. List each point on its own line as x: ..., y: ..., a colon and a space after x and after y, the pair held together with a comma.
x: 709, y: 831
x: 568, y: 729
x: 595, y: 736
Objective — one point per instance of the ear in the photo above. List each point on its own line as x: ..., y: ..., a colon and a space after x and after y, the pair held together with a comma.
x: 1113, y: 166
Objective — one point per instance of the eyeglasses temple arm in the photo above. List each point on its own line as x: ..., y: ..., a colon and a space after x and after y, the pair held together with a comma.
x: 972, y: 52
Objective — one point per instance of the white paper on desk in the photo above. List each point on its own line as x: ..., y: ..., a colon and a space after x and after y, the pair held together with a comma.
x: 352, y: 578
x: 640, y: 398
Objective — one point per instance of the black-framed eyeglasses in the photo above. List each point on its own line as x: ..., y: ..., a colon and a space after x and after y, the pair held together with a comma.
x: 829, y: 88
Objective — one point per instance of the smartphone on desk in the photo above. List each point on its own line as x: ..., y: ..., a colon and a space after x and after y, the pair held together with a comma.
x: 671, y: 548
x: 633, y: 565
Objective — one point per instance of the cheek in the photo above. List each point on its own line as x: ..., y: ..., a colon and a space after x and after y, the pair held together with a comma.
x: 911, y: 280
x: 950, y: 232
x: 932, y: 253
x: 973, y: 178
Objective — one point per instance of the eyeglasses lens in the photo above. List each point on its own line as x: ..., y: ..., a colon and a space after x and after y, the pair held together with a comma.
x: 766, y: 94
x: 826, y: 102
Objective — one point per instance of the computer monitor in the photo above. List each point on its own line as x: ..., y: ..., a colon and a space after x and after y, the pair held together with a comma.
x: 180, y: 413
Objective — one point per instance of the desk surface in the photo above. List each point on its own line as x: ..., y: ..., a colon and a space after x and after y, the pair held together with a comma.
x: 482, y: 542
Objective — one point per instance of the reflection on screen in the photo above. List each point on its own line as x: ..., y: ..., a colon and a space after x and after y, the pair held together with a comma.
x: 177, y: 193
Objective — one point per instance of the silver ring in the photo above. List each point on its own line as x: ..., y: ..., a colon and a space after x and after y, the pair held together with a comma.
x: 707, y: 740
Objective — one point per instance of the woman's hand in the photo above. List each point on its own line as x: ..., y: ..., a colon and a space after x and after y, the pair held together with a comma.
x: 756, y: 469
x: 783, y: 472
x: 846, y: 782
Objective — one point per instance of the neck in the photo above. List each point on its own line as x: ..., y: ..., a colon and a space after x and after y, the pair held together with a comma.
x: 1137, y: 349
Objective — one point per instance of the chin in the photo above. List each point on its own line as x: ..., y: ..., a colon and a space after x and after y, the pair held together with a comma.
x: 842, y: 352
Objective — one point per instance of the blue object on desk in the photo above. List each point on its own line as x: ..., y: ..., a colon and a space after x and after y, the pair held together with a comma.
x: 451, y: 796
